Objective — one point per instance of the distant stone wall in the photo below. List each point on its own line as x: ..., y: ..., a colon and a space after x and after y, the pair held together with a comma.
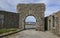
x: 10, y: 20
x: 1, y: 20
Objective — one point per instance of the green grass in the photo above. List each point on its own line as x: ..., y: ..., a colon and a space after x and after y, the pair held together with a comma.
x: 7, y: 30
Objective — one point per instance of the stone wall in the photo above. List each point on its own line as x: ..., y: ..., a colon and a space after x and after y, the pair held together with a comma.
x: 53, y: 23
x: 36, y: 10
x: 10, y: 20
x: 1, y: 20
x: 58, y: 23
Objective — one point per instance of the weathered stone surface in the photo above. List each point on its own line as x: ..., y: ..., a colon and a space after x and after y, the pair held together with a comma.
x: 9, y: 19
x: 53, y: 23
x: 36, y: 10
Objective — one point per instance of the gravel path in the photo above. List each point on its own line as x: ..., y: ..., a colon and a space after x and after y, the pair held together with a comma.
x: 33, y: 34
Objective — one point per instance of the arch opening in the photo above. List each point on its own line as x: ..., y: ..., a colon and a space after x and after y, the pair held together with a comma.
x: 30, y: 22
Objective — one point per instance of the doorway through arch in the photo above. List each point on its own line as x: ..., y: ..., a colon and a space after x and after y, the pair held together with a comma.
x: 30, y: 22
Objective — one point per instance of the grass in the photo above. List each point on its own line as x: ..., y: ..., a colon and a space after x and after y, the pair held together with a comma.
x: 7, y: 30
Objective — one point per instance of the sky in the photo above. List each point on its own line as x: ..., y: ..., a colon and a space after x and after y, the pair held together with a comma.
x: 30, y: 19
x: 52, y: 6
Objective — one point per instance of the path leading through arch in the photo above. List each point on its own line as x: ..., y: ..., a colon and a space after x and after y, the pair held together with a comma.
x: 33, y: 34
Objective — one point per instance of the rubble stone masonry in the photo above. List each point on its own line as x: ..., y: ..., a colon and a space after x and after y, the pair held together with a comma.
x: 9, y: 19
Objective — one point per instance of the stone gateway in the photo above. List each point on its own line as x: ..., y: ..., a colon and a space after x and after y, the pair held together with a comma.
x: 36, y: 10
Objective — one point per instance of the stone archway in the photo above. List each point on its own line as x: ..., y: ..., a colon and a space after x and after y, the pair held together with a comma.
x: 36, y: 10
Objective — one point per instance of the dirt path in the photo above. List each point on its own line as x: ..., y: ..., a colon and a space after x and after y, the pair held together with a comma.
x: 33, y: 34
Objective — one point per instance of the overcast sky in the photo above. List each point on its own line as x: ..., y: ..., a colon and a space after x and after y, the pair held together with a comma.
x: 51, y: 5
